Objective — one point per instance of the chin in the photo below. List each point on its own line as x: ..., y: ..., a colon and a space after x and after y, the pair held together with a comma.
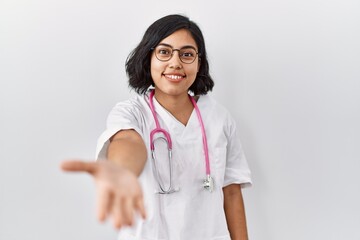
x: 173, y: 91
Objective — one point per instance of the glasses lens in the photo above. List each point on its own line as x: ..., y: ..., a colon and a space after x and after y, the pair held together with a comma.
x: 163, y: 53
x: 187, y: 55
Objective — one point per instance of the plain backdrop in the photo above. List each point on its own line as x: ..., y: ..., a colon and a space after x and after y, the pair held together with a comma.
x: 288, y: 71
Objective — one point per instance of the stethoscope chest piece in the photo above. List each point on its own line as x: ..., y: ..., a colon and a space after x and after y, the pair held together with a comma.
x: 209, y: 183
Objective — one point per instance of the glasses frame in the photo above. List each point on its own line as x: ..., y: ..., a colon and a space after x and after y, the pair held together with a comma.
x: 172, y: 53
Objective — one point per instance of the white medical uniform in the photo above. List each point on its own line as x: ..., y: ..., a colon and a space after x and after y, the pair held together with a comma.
x: 192, y: 213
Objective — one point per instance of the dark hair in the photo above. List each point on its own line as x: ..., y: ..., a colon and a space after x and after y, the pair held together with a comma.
x: 138, y: 62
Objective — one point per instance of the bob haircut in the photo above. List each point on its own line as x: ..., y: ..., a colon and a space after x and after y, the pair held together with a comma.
x: 138, y: 62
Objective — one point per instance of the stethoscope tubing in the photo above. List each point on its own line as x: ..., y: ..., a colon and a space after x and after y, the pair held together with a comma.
x: 208, y: 182
x: 206, y: 150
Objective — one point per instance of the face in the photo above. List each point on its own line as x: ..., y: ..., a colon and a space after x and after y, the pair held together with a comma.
x: 173, y: 77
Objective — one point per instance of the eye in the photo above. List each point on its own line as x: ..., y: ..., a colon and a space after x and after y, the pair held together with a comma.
x: 188, y: 53
x: 164, y: 51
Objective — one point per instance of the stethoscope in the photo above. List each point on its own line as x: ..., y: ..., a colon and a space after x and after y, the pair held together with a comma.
x: 208, y: 183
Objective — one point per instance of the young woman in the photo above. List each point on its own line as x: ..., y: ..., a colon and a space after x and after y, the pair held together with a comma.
x: 171, y: 154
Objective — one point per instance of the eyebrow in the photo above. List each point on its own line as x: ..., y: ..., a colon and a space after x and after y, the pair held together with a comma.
x: 186, y: 46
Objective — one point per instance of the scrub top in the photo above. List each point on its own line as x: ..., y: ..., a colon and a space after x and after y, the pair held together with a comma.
x: 191, y: 213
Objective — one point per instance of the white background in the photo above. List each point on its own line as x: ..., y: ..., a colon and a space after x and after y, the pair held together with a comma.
x: 289, y: 71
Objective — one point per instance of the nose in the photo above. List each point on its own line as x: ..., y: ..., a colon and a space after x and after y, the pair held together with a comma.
x: 175, y: 61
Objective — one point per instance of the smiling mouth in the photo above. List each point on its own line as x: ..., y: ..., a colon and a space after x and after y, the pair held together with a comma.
x: 174, y: 77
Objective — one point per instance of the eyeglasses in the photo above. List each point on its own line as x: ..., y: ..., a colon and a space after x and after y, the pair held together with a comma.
x: 186, y: 54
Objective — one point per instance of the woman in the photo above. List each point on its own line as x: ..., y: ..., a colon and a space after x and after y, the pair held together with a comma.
x: 173, y: 158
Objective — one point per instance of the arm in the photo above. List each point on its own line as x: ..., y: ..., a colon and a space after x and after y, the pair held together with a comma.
x: 119, y: 193
x: 235, y: 212
x: 127, y: 149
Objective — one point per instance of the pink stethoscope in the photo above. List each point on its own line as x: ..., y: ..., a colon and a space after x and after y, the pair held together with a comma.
x: 208, y: 183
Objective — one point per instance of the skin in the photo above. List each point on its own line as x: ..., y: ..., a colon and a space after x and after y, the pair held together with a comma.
x: 172, y: 94
x: 119, y: 194
x: 235, y: 212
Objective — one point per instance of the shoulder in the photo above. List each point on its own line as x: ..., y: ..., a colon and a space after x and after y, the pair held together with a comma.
x: 133, y: 108
x: 135, y: 103
x: 216, y: 114
x: 213, y: 107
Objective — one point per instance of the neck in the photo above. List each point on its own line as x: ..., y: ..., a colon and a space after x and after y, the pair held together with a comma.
x: 179, y: 106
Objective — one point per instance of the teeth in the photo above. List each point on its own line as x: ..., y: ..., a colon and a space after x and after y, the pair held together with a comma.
x: 175, y: 77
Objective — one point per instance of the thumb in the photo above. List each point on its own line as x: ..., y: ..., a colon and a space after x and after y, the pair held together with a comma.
x: 79, y: 166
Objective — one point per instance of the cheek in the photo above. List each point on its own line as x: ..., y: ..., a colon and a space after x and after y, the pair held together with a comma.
x: 194, y: 69
x: 155, y: 68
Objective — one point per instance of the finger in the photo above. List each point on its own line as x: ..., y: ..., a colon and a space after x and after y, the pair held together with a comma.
x: 79, y: 166
x: 139, y: 206
x: 104, y: 202
x: 117, y: 213
x: 128, y: 211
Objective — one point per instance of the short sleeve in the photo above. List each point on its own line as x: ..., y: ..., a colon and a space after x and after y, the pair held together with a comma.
x: 236, y: 170
x: 125, y: 115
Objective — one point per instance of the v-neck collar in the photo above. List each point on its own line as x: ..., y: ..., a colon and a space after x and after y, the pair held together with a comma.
x: 171, y: 122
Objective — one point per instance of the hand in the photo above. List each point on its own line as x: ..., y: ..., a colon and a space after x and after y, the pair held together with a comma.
x: 119, y: 193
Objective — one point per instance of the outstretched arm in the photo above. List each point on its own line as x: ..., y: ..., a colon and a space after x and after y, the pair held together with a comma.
x: 235, y: 212
x: 119, y: 194
x: 127, y: 149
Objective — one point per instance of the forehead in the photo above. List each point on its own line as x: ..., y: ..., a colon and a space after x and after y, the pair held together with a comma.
x: 179, y: 39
